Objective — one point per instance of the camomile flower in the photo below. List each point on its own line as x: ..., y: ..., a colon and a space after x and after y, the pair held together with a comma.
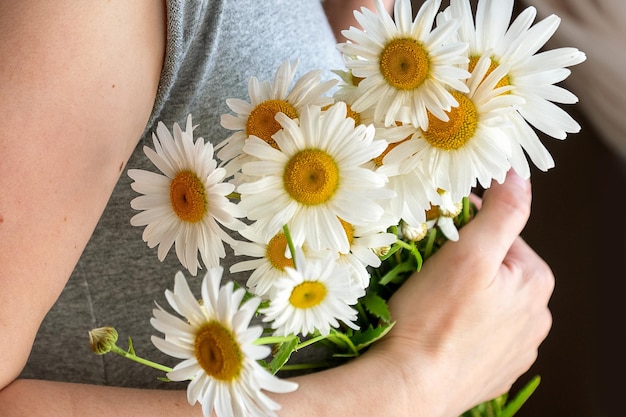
x: 364, y: 241
x: 268, y: 263
x: 187, y: 204
x: 533, y: 74
x: 216, y: 343
x: 442, y: 215
x: 257, y: 118
x: 315, y: 296
x: 314, y: 178
x: 404, y: 62
x: 473, y: 145
x: 347, y: 90
x: 414, y: 191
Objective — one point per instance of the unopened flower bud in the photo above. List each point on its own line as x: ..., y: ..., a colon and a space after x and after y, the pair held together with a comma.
x: 452, y: 210
x: 102, y: 340
x: 382, y: 251
x: 413, y: 233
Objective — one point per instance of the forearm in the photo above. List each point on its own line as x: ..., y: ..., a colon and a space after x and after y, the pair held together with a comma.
x: 367, y: 386
x: 46, y: 398
x: 364, y: 387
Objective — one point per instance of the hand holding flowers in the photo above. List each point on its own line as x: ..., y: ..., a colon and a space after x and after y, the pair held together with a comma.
x: 346, y: 197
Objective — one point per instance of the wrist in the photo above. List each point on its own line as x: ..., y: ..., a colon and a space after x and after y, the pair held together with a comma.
x: 405, y: 387
x: 417, y: 383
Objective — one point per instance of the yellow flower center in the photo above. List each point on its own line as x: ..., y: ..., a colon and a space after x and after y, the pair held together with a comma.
x: 188, y: 197
x: 311, y: 177
x: 457, y: 131
x: 308, y: 294
x: 379, y: 159
x: 355, y: 115
x: 217, y: 352
x: 262, y: 120
x: 349, y: 229
x: 349, y: 113
x: 356, y: 80
x: 433, y: 213
x: 504, y: 81
x: 404, y: 63
x: 275, y: 252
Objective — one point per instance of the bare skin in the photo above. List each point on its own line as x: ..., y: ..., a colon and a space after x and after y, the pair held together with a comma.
x: 341, y: 13
x: 68, y: 69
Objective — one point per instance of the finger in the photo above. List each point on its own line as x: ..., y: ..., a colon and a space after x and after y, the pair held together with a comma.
x: 476, y: 200
x: 523, y: 261
x: 504, y: 212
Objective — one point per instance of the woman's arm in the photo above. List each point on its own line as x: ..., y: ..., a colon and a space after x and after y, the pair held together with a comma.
x: 77, y: 84
x: 468, y: 325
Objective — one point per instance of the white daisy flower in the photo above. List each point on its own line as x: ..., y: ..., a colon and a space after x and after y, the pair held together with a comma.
x: 314, y: 178
x: 442, y: 215
x: 268, y: 263
x: 414, y: 193
x: 533, y: 74
x: 216, y: 342
x: 404, y: 62
x: 473, y: 145
x: 347, y: 89
x: 364, y: 240
x: 257, y: 118
x: 187, y: 204
x: 314, y: 297
x: 413, y: 188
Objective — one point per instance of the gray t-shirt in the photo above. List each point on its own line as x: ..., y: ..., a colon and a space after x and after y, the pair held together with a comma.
x: 213, y: 47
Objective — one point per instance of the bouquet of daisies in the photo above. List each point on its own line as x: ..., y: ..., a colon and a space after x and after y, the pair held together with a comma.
x: 337, y: 197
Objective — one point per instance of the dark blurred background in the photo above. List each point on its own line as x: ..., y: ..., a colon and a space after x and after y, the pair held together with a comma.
x: 577, y: 226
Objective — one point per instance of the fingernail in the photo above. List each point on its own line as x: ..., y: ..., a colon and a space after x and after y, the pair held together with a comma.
x: 513, y: 177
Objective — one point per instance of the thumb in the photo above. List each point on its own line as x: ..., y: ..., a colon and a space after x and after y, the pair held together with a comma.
x: 504, y: 212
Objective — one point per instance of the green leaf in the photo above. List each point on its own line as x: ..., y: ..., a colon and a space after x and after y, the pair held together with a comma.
x: 377, y: 306
x: 516, y: 403
x: 131, y: 349
x: 363, y: 338
x: 342, y: 341
x: 498, y: 407
x: 283, y: 354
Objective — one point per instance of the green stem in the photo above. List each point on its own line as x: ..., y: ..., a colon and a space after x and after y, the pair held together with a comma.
x: 430, y: 242
x: 414, y: 251
x: 474, y: 412
x: 466, y: 210
x: 304, y: 366
x: 272, y: 340
x: 403, y: 244
x: 133, y: 357
x: 361, y: 310
x: 292, y: 248
x: 310, y: 341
